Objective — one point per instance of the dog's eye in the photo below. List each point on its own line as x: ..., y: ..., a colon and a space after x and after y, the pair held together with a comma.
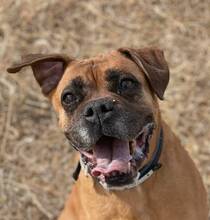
x: 126, y: 83
x: 68, y: 98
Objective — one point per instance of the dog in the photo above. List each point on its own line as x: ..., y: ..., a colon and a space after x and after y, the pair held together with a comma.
x: 133, y: 166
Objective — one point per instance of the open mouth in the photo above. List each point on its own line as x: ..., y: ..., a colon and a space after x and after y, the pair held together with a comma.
x: 116, y: 162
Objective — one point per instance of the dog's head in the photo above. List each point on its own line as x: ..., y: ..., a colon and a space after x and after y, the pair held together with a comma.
x: 107, y: 105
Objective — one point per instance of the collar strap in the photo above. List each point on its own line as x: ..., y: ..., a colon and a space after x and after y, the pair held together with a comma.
x: 143, y: 174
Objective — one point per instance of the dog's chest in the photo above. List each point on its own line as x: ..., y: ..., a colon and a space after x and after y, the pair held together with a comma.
x: 102, y: 205
x: 115, y: 211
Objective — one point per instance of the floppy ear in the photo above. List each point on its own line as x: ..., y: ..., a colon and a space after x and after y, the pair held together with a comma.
x: 154, y: 66
x: 47, y: 69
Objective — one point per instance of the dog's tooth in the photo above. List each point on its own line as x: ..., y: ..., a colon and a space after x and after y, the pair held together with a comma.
x: 138, y: 153
x: 144, y: 136
x: 149, y: 137
x: 129, y: 167
x: 132, y: 146
x: 114, y: 173
x: 102, y: 178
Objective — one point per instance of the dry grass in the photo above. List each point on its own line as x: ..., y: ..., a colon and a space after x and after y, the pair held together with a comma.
x: 35, y: 161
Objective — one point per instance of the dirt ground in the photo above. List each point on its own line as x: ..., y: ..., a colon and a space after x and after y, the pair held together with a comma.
x: 35, y: 160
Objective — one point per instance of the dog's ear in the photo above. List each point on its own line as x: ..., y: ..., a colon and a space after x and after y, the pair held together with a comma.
x: 153, y: 64
x: 47, y: 69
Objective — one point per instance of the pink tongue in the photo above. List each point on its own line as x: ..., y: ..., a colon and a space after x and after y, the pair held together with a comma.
x: 103, y: 156
x: 111, y: 156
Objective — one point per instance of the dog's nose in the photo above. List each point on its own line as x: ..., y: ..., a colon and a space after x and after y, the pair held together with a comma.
x: 99, y: 110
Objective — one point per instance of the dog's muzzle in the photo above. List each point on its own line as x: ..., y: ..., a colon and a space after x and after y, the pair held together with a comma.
x: 119, y: 170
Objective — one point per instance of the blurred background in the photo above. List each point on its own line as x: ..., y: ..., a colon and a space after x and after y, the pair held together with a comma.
x: 35, y: 160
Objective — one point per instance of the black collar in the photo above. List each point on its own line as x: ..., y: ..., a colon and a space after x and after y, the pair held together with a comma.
x: 153, y: 164
x: 146, y: 171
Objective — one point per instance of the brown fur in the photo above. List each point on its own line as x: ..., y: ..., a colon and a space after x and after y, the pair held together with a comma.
x: 174, y: 192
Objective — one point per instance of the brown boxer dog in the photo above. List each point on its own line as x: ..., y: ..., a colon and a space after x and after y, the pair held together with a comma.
x: 133, y: 166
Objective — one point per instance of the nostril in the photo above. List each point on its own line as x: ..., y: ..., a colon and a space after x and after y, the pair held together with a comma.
x: 89, y: 112
x: 106, y: 107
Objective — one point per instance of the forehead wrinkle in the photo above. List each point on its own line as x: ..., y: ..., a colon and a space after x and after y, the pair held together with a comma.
x: 92, y: 69
x: 87, y: 73
x: 92, y: 72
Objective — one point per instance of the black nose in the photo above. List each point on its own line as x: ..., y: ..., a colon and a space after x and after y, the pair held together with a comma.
x: 99, y: 110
